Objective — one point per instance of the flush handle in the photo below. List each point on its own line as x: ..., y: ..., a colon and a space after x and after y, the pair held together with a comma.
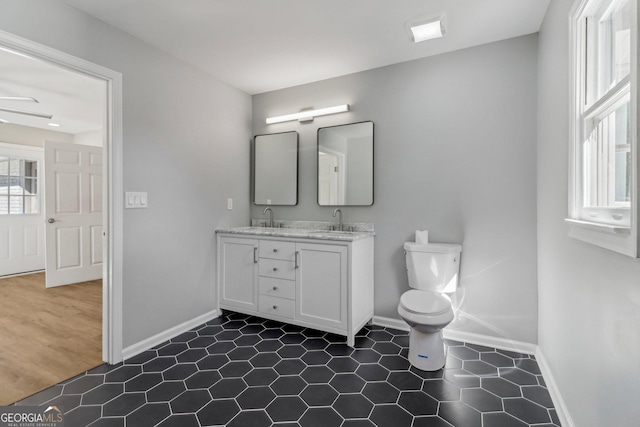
x: 275, y: 268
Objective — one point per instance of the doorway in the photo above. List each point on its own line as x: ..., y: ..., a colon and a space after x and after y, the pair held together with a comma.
x: 112, y: 217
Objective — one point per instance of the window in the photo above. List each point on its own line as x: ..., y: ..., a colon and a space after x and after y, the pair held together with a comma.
x: 19, y: 186
x: 603, y: 144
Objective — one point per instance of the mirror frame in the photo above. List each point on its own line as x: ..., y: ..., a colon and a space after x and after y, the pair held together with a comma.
x: 253, y: 170
x: 372, y: 163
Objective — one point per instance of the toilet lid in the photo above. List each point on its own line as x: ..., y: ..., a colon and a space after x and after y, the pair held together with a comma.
x: 423, y: 302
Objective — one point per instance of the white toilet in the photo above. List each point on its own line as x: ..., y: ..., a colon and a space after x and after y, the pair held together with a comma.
x: 433, y: 270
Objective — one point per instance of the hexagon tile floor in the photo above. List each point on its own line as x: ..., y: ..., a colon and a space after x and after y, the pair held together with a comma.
x: 240, y: 370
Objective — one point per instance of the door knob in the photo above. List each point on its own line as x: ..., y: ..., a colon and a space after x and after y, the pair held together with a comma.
x: 51, y: 220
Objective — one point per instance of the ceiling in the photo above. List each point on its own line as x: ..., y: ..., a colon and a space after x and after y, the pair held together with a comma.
x: 260, y: 46
x: 76, y: 101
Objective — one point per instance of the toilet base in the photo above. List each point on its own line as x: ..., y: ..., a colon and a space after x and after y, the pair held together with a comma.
x: 426, y: 350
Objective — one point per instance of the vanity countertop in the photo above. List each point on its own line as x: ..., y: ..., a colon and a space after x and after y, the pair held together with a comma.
x: 344, y: 236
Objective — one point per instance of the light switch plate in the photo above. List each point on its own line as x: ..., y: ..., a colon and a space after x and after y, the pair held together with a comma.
x: 135, y: 200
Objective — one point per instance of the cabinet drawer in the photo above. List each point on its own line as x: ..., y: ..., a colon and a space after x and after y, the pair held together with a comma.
x: 276, y: 306
x: 275, y: 249
x: 277, y: 287
x: 277, y: 269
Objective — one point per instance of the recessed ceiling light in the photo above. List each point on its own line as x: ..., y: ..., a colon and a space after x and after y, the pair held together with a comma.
x: 55, y: 125
x: 427, y: 30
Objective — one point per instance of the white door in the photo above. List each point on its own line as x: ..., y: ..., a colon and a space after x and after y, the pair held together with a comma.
x: 327, y: 179
x: 73, y: 211
x: 321, y: 285
x: 21, y: 217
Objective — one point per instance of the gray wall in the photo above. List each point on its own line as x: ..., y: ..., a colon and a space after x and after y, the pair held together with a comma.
x: 589, y: 297
x: 186, y: 142
x: 455, y: 153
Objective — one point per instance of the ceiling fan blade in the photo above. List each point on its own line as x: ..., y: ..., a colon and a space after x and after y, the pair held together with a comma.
x: 18, y: 98
x: 26, y: 113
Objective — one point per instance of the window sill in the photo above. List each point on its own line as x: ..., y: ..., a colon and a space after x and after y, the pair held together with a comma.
x: 615, y: 238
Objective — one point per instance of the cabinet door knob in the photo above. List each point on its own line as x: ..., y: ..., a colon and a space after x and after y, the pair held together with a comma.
x: 275, y: 307
x: 275, y: 250
x: 275, y: 269
x: 275, y: 288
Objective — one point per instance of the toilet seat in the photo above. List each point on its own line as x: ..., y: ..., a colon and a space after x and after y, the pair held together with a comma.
x: 425, y: 303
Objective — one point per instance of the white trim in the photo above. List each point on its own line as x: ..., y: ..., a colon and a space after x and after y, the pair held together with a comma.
x: 554, y: 391
x: 468, y: 337
x: 623, y: 239
x: 166, y: 335
x: 388, y: 322
x: 113, y: 223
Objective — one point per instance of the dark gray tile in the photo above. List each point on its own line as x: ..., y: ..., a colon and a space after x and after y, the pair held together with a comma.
x: 255, y: 398
x: 190, y: 401
x: 218, y: 412
x: 123, y: 405
x: 418, y: 403
x: 180, y: 372
x: 405, y: 380
x: 251, y: 419
x: 260, y: 376
x: 81, y: 416
x: 501, y: 419
x: 441, y: 390
x: 165, y: 391
x: 83, y: 384
x: 288, y: 408
x: 290, y: 367
x: 227, y: 388
x: 183, y: 420
x: 381, y: 392
x: 148, y: 415
x: 353, y: 406
x: 372, y: 372
x: 481, y: 400
x: 347, y: 383
x: 460, y: 414
x: 316, y: 357
x: 390, y: 416
x: 143, y: 382
x: 288, y: 386
x: 518, y: 376
x: 202, y: 379
x: 527, y: 411
x: 158, y: 364
x: 319, y: 395
x: 317, y: 374
x: 102, y: 394
x: 321, y: 417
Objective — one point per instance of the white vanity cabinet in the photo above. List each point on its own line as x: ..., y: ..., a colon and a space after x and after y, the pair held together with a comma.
x: 316, y: 283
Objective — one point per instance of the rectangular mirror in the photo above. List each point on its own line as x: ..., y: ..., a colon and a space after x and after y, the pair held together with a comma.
x: 345, y: 165
x: 276, y: 169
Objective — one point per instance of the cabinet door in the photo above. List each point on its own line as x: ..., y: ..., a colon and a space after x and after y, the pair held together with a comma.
x: 239, y: 273
x: 321, y: 281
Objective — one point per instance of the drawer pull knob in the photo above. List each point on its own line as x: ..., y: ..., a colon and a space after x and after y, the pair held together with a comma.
x: 275, y: 288
x: 275, y: 307
x: 275, y: 250
x: 275, y: 268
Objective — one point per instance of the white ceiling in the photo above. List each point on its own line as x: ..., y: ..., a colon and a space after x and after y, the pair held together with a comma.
x: 76, y: 101
x: 264, y: 45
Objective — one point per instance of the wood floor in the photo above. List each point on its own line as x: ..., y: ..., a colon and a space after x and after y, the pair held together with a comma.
x: 46, y: 335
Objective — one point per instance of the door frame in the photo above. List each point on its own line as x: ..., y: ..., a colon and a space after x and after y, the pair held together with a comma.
x: 113, y: 184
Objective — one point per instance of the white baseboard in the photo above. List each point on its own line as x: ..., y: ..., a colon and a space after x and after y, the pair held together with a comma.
x: 471, y: 338
x: 163, y: 336
x: 554, y: 391
x: 489, y: 341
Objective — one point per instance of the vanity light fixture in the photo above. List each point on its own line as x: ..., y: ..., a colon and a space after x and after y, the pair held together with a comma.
x: 427, y: 30
x: 306, y: 116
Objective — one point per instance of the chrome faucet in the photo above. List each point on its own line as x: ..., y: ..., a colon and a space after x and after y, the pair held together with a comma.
x: 264, y: 212
x: 338, y: 211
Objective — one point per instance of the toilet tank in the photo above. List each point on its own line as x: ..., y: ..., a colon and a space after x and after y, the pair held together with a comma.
x: 433, y: 267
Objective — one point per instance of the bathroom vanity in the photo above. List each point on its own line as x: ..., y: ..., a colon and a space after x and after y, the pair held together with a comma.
x: 311, y: 278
